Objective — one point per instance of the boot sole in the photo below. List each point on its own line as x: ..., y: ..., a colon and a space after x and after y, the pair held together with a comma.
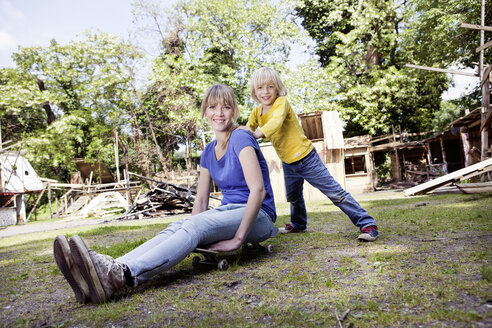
x: 284, y: 231
x: 83, y: 260
x: 366, y: 237
x: 63, y: 258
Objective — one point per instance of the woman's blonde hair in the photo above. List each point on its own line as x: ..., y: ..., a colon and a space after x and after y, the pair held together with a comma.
x: 263, y: 76
x: 220, y: 94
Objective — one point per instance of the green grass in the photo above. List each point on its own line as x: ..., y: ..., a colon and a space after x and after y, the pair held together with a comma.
x: 430, y: 267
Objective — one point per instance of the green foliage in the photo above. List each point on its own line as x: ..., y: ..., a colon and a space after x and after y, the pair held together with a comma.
x: 326, y: 22
x: 433, y: 34
x: 20, y: 99
x: 363, y: 47
x: 90, y: 75
x: 450, y: 111
x: 486, y: 272
x: 65, y: 101
x: 383, y: 167
x: 246, y: 33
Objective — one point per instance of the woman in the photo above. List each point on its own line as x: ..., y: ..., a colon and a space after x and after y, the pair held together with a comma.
x: 247, y: 212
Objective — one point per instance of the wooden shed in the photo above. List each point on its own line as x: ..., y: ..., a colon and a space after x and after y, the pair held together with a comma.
x: 324, y: 129
x: 459, y: 145
x: 360, y: 173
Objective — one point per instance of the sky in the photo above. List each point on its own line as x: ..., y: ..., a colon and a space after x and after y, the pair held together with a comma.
x: 35, y: 22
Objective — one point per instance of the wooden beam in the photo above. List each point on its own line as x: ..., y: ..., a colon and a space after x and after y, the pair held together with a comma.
x: 390, y: 145
x: 487, y: 121
x: 440, y: 70
x: 476, y: 27
x: 486, y: 75
x: 485, y: 46
x: 467, y: 172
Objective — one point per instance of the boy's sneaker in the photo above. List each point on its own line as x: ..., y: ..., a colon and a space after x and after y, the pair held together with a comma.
x: 71, y: 272
x: 103, y: 274
x: 290, y: 229
x: 369, y: 233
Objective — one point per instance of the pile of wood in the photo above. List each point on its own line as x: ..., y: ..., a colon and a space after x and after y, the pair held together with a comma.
x: 164, y: 196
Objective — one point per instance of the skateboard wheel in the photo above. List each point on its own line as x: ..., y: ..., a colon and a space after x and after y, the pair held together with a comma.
x: 269, y: 249
x: 195, y: 261
x: 223, y: 265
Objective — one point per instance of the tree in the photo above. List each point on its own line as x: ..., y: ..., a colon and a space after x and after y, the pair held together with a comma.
x: 364, y: 65
x: 433, y: 32
x: 208, y: 42
x: 20, y: 99
x: 326, y: 22
x: 433, y: 37
x: 78, y: 93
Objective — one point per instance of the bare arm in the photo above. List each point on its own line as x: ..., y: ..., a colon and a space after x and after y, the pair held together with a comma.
x: 202, y: 192
x: 254, y: 180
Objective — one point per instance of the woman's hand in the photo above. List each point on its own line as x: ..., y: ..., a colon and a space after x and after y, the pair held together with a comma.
x: 226, y: 245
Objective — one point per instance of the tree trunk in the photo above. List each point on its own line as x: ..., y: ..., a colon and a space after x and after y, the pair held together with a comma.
x: 145, y: 161
x: 50, y: 115
x: 188, y: 150
x: 165, y: 165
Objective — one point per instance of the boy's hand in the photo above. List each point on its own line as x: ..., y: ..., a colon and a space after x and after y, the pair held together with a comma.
x: 257, y: 134
x: 246, y: 128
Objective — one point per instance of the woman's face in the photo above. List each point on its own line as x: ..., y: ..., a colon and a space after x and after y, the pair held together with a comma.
x: 219, y: 116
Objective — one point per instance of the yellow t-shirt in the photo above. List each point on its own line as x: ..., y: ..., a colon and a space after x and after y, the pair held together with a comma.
x: 281, y: 126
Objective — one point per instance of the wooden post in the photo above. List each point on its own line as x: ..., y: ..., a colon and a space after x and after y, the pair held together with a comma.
x: 35, y: 205
x: 395, y: 160
x: 116, y: 155
x: 49, y: 200
x: 466, y: 146
x: 395, y: 166
x: 485, y: 91
x: 404, y: 167
x: 443, y: 151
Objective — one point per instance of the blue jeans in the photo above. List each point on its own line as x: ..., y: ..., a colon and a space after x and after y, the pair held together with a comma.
x: 180, y: 238
x: 312, y: 169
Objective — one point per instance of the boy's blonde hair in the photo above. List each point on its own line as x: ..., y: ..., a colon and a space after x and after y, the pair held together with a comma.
x: 263, y: 76
x: 220, y: 94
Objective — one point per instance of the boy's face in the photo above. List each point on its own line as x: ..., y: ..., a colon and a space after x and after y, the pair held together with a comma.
x: 219, y: 116
x: 266, y: 94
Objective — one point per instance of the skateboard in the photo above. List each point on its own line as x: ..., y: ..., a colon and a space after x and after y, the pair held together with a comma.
x: 214, y: 258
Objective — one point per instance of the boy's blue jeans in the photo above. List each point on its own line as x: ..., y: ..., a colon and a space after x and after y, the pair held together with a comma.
x: 180, y: 238
x: 312, y: 169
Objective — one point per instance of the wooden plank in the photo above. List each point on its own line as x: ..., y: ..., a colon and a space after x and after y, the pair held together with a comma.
x: 390, y: 145
x: 472, y: 170
x: 465, y: 188
x: 483, y: 47
x: 441, y: 70
x: 486, y: 76
x: 476, y: 27
x: 67, y: 185
x: 332, y: 130
x: 487, y: 121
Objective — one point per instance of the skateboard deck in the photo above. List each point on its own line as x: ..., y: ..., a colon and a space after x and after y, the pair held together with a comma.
x: 214, y: 258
